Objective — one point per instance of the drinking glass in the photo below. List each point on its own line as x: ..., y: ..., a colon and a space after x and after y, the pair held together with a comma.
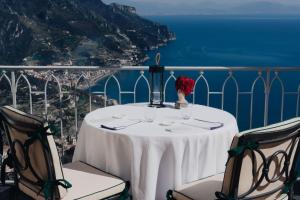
x: 150, y: 114
x: 186, y: 113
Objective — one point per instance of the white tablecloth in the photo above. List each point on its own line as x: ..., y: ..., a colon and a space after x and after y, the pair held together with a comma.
x: 154, y: 157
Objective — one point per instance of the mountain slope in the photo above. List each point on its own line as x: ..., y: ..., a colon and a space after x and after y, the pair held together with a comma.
x: 146, y: 34
x: 74, y: 32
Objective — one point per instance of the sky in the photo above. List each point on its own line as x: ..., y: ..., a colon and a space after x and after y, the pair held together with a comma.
x: 213, y: 7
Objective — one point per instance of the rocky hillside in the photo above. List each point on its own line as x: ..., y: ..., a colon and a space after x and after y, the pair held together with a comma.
x: 75, y: 32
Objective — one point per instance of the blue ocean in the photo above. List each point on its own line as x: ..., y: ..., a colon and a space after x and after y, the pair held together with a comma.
x: 226, y: 41
x: 232, y: 41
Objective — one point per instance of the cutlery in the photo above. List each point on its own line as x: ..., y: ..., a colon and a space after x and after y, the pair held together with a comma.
x: 169, y: 130
x: 220, y: 124
x: 206, y: 128
x: 118, y: 127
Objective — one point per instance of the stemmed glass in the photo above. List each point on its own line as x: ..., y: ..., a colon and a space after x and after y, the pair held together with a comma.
x: 150, y: 114
x: 186, y: 113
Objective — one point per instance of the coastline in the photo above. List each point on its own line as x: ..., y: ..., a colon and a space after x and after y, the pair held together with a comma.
x: 130, y: 62
x: 101, y: 74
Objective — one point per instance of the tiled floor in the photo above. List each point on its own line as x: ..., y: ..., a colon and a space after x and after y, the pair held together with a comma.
x: 4, y: 194
x: 7, y: 192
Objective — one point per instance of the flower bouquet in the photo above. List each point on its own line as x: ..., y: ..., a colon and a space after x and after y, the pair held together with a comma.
x: 184, y: 87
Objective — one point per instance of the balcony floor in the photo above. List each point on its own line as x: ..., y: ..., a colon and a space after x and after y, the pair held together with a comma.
x: 4, y: 193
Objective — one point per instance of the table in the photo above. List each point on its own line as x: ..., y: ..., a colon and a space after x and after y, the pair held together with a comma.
x: 155, y: 157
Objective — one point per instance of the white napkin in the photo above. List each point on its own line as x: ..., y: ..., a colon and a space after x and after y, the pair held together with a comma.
x: 178, y: 128
x: 119, y: 124
x: 199, y: 123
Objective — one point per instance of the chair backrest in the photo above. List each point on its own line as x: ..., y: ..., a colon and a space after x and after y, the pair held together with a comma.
x: 261, y: 163
x: 34, y: 154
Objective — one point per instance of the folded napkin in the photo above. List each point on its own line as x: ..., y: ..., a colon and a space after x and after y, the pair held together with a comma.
x: 199, y: 123
x: 178, y: 128
x: 119, y: 124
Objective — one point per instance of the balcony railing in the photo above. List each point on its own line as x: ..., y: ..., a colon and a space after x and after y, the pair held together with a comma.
x: 255, y: 96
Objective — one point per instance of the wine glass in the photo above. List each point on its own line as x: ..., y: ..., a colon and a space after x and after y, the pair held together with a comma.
x: 150, y: 114
x: 186, y: 112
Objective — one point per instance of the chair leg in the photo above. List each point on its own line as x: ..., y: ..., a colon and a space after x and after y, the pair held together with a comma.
x: 170, y: 195
x: 291, y: 193
x: 125, y: 194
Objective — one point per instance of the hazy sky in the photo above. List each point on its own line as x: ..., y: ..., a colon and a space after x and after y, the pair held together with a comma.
x: 173, y: 7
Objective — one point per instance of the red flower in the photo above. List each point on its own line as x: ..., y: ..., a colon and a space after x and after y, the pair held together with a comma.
x: 185, y: 85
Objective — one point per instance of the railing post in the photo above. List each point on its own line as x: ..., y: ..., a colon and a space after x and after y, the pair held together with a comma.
x: 267, y: 95
x: 90, y: 92
x: 13, y: 89
x: 76, y: 111
x: 298, y: 98
x: 61, y: 123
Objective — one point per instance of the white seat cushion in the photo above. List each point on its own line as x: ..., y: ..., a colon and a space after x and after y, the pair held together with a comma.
x: 90, y: 183
x: 284, y: 197
x: 203, y: 189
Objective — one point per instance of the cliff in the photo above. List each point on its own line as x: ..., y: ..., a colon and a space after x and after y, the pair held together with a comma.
x: 75, y: 32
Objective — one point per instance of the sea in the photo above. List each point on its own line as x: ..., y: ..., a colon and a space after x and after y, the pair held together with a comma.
x: 231, y: 41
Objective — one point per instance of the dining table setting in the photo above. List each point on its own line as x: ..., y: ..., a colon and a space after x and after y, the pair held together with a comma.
x: 156, y: 149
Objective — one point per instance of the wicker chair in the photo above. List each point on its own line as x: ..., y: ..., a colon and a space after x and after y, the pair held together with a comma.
x: 38, y: 170
x: 261, y: 166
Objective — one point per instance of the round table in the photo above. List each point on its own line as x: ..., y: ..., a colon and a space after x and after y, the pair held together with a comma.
x: 160, y: 155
